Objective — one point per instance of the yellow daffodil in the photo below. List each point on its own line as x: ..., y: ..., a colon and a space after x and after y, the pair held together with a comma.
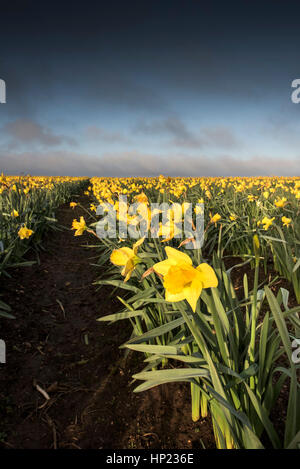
x: 25, y: 232
x: 73, y: 204
x: 280, y: 202
x: 214, y: 219
x: 127, y: 258
x: 142, y: 198
x: 14, y: 213
x: 266, y: 222
x: 286, y: 221
x: 79, y: 226
x: 181, y: 280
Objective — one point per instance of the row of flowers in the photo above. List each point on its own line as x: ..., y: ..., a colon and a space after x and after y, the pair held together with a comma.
x: 183, y: 307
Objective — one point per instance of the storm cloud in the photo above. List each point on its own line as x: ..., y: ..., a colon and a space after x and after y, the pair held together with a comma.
x: 181, y: 135
x: 139, y: 88
x: 23, y: 131
x: 98, y: 134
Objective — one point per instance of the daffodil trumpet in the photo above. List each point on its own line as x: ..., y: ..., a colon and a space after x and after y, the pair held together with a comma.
x: 181, y: 280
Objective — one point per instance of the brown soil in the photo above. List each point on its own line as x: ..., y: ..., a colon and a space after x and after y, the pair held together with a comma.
x: 56, y: 345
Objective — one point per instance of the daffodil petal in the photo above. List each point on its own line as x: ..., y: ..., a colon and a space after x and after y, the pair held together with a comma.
x: 174, y: 297
x: 163, y: 267
x: 193, y: 292
x: 208, y: 276
x: 128, y: 269
x: 121, y: 256
x: 178, y: 256
x: 137, y: 244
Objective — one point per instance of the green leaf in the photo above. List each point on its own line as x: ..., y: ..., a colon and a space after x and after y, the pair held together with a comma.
x: 295, y: 443
x: 119, y: 284
x: 263, y: 346
x: 157, y: 349
x: 157, y: 331
x: 119, y: 316
x: 297, y: 265
x: 263, y: 416
x: 177, y: 374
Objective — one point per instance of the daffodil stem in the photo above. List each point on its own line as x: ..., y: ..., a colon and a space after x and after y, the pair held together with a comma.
x: 253, y: 322
x: 92, y: 232
x: 89, y: 213
x: 157, y: 249
x: 192, y: 328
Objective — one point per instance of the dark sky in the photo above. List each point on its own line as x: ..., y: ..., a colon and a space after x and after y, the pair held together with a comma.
x: 142, y: 87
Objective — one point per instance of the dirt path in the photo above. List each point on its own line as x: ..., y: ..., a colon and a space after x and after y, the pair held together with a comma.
x: 56, y: 344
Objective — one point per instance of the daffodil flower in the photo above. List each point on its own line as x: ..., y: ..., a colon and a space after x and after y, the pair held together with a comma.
x: 142, y: 198
x: 286, y: 221
x: 79, y: 226
x: 266, y: 222
x: 214, y: 219
x: 25, y: 232
x: 73, y: 204
x: 127, y: 258
x: 281, y: 202
x: 181, y: 280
